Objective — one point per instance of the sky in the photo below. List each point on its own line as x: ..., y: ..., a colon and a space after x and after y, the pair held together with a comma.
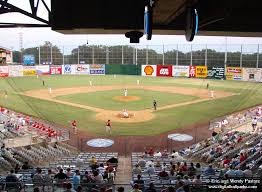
x: 37, y: 36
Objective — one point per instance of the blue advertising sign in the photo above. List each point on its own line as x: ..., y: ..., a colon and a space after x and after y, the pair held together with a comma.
x: 97, y: 69
x: 29, y: 59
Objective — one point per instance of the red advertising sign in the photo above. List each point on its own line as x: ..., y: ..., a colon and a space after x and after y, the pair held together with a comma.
x: 56, y: 70
x: 192, y: 71
x: 4, y: 71
x: 164, y: 70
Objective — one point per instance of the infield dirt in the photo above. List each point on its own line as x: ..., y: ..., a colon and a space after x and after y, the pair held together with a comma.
x: 138, y: 116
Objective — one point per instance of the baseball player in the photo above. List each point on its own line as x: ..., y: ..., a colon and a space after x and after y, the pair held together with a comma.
x: 125, y: 92
x: 154, y: 104
x: 74, y: 126
x: 108, y: 127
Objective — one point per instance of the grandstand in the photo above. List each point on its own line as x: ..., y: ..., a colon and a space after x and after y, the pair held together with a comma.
x: 231, y: 152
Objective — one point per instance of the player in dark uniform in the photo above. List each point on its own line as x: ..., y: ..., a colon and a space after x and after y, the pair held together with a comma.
x: 108, y: 127
x: 154, y: 104
x: 43, y: 82
x: 207, y: 85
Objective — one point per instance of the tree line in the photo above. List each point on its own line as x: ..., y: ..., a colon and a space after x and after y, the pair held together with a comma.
x: 87, y: 54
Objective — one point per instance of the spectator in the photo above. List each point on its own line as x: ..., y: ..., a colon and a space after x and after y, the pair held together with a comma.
x: 163, y: 174
x: 197, y: 181
x: 12, y: 182
x: 254, y: 123
x: 38, y: 178
x: 76, y: 179
x: 93, y: 160
x: 140, y: 182
x: 97, y: 178
x: 180, y: 188
x: 112, y: 160
x: 158, y: 164
x: 86, y: 178
x: 142, y: 162
x: 150, y: 162
x: 137, y: 169
x: 69, y: 172
x: 151, y: 152
x: 151, y: 188
x: 136, y: 188
x: 17, y: 168
x: 184, y: 167
x: 101, y: 169
x: 242, y: 157
x: 231, y: 172
x: 150, y: 170
x: 158, y: 154
x: 164, y: 166
x: 79, y: 189
x: 239, y: 173
x: 69, y: 188
x: 209, y: 170
x: 94, y: 166
x: 247, y: 172
x: 61, y: 175
x: 25, y: 166
x: 226, y: 161
x: 186, y: 180
x: 191, y: 170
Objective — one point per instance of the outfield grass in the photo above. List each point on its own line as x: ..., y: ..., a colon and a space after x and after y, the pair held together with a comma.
x: 105, y: 99
x: 250, y: 94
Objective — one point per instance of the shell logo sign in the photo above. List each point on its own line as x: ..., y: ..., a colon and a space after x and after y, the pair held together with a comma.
x: 149, y: 70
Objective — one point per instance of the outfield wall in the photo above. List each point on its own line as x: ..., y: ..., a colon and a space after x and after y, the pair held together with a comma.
x: 202, y: 72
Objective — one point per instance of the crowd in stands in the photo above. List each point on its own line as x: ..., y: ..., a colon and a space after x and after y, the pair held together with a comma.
x: 224, y: 155
x: 95, y: 172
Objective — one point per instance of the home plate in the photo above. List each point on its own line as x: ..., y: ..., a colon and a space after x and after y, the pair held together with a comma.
x: 100, y: 142
x: 180, y: 137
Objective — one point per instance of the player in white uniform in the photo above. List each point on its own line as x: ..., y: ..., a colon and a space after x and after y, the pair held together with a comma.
x: 125, y: 92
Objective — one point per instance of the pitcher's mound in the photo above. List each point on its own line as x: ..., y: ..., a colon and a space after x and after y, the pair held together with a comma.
x: 126, y: 98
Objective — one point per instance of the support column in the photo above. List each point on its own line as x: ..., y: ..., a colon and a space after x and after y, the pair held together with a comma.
x: 78, y: 56
x: 191, y: 56
x: 147, y: 55
x: 240, y: 62
x: 39, y: 56
x: 177, y: 54
x: 163, y: 55
x: 257, y: 56
x: 51, y: 50
x: 206, y: 57
x: 122, y: 54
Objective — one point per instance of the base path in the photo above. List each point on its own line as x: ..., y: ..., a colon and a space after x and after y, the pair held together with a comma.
x: 137, y: 116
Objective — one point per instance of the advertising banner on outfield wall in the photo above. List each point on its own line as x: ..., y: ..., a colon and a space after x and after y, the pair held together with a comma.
x: 252, y: 74
x: 192, y: 71
x: 4, y: 71
x: 180, y: 71
x: 15, y: 70
x: 29, y: 70
x: 216, y: 73
x: 42, y: 70
x: 164, y: 70
x: 148, y: 70
x: 82, y: 69
x: 233, y: 73
x: 56, y: 70
x: 97, y: 69
x: 201, y: 71
x: 68, y: 69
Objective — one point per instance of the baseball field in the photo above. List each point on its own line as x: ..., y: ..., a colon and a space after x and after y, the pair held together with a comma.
x: 180, y: 102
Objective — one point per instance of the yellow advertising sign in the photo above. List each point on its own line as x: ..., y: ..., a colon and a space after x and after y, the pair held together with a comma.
x: 233, y: 73
x: 29, y: 72
x: 201, y: 72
